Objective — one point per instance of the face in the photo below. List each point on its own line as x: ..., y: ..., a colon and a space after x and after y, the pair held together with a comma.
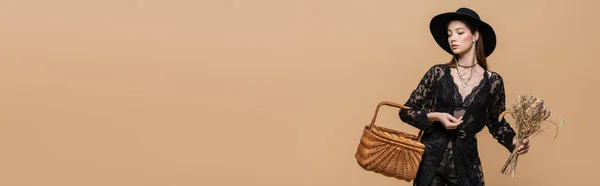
x: 460, y: 37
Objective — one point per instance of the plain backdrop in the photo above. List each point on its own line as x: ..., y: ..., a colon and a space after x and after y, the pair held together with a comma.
x: 267, y: 92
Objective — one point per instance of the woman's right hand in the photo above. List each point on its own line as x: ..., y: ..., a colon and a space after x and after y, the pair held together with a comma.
x: 449, y: 121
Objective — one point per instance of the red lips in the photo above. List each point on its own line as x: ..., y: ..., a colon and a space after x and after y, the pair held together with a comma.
x: 454, y: 46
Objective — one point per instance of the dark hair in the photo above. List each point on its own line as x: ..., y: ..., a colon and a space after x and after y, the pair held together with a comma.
x: 479, y: 50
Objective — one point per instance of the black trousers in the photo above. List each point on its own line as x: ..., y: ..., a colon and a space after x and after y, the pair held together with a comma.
x: 446, y: 174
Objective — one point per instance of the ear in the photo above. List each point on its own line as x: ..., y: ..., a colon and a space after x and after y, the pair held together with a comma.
x: 476, y: 36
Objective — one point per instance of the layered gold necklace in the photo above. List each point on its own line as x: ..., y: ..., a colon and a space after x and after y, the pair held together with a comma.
x: 465, y: 81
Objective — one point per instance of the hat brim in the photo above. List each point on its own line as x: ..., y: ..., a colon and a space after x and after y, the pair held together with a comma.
x: 439, y: 31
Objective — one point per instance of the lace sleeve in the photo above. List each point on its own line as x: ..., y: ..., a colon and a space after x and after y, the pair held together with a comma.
x: 500, y: 130
x: 420, y: 102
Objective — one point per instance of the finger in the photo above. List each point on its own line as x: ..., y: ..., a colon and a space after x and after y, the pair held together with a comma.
x: 523, y: 142
x: 524, y: 148
x: 456, y: 119
x: 523, y: 152
x: 452, y: 125
x: 452, y: 119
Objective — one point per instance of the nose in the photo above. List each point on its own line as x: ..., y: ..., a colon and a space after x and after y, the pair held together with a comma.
x: 452, y: 38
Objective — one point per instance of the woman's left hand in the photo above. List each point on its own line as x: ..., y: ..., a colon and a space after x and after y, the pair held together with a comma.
x: 524, y: 146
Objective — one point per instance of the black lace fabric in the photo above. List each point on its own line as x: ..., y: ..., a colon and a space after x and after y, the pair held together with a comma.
x: 437, y: 92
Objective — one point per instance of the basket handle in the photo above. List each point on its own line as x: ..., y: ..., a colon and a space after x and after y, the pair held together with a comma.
x: 392, y: 104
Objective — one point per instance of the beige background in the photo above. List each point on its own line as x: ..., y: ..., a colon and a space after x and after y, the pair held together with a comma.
x: 265, y: 92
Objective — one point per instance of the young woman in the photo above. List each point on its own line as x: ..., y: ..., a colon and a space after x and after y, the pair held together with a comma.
x: 456, y: 100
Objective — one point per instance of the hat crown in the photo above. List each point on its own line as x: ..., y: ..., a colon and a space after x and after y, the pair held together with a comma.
x: 468, y: 12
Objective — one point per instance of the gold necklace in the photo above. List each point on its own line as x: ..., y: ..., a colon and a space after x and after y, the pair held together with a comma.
x: 464, y: 82
x: 467, y: 81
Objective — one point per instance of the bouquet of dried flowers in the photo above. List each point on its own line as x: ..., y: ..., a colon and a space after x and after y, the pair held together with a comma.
x: 529, y: 113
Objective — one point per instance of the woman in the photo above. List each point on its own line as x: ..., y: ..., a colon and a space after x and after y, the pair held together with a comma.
x: 456, y: 100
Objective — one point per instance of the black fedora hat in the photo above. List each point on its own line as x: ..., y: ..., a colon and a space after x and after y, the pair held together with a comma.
x: 439, y: 30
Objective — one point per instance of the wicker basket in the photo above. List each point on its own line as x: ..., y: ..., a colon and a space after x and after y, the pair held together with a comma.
x: 390, y: 152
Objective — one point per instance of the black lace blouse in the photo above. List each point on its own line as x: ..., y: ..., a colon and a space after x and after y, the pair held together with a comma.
x: 437, y: 92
